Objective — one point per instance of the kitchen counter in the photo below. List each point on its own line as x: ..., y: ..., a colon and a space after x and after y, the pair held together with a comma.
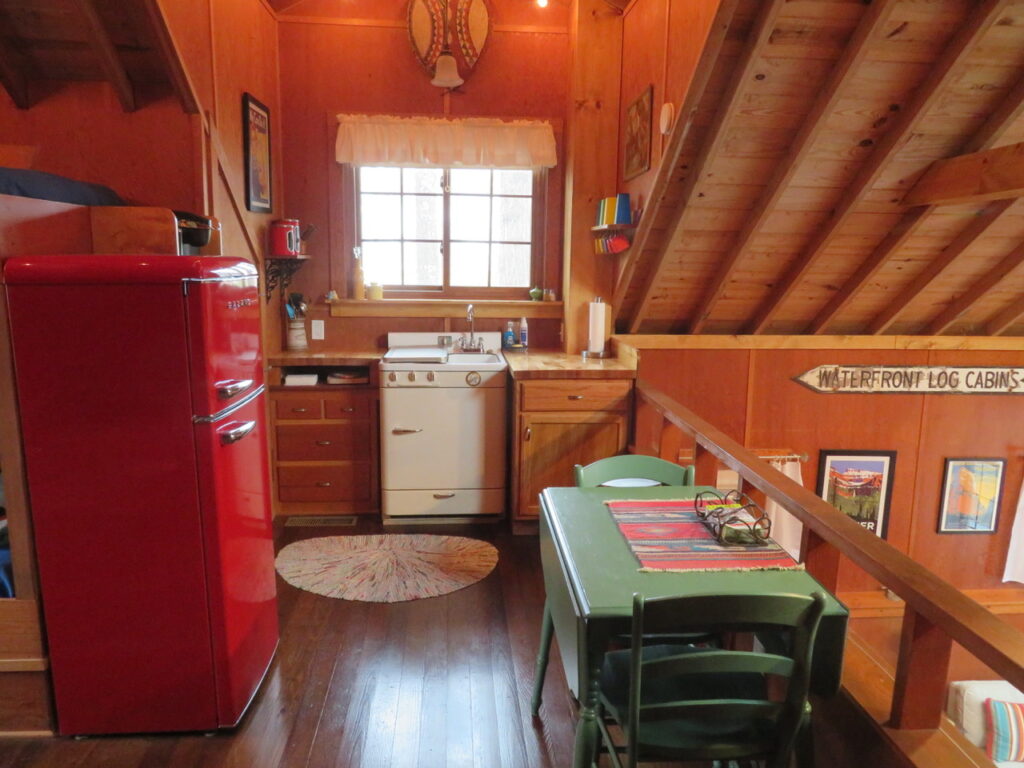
x: 540, y: 364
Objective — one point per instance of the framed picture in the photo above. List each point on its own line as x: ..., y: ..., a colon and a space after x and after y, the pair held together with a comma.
x: 971, y: 491
x: 859, y: 484
x: 256, y: 138
x: 637, y: 157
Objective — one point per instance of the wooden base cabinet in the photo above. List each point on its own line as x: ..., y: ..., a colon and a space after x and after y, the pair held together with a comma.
x: 561, y: 423
x: 325, y: 451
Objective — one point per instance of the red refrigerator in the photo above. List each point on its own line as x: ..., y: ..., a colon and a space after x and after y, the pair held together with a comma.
x: 140, y: 391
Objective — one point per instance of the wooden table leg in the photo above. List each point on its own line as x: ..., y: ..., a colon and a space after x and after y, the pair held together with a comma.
x: 547, y: 627
x: 587, y: 732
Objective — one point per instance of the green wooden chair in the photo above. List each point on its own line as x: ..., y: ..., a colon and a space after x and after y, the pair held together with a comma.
x: 632, y: 470
x: 627, y: 471
x: 686, y: 703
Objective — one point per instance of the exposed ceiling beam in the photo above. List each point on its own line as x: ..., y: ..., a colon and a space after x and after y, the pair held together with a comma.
x: 874, y: 18
x: 650, y: 240
x: 963, y: 303
x: 12, y: 76
x: 985, y: 219
x: 106, y: 52
x: 172, y: 60
x: 1002, y: 118
x: 758, y: 38
x: 1005, y: 318
x: 994, y: 174
x: 946, y: 68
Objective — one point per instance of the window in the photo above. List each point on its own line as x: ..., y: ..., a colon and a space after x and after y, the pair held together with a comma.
x: 449, y: 232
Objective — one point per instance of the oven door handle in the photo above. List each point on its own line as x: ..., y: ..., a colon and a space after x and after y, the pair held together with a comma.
x: 404, y: 431
x: 236, y: 433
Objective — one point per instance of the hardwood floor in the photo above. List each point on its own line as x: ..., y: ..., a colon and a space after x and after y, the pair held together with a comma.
x: 438, y: 683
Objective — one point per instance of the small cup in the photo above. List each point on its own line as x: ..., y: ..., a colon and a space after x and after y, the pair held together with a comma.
x: 296, y: 340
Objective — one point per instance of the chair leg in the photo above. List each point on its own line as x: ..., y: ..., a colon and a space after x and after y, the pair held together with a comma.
x: 805, y: 744
x: 547, y: 628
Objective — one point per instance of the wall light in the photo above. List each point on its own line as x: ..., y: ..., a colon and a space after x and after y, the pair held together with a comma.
x: 446, y: 70
x: 542, y: 3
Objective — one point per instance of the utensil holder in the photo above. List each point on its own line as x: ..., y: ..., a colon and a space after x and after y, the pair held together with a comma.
x: 295, y: 339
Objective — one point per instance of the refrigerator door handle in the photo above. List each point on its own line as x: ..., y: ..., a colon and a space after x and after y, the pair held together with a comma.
x: 230, y: 387
x: 236, y: 433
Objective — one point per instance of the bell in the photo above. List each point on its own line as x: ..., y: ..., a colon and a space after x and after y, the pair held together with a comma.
x: 446, y: 72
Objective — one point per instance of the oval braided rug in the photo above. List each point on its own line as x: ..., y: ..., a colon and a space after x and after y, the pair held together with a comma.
x: 385, y: 568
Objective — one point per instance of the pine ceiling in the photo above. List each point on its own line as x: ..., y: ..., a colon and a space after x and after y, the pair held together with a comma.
x: 792, y: 197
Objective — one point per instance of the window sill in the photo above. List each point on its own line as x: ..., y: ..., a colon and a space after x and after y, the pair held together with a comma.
x: 451, y: 308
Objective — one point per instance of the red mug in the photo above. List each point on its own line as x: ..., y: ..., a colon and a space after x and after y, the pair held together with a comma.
x: 284, y: 237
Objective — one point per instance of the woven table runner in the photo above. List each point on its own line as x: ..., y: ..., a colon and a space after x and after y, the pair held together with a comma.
x: 667, y: 535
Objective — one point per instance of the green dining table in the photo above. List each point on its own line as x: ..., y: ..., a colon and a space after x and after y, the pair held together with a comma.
x: 591, y: 575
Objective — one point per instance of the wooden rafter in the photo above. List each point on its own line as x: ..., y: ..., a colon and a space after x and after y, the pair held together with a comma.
x: 106, y: 52
x: 963, y: 303
x: 12, y: 76
x: 172, y: 60
x: 854, y: 53
x: 985, y: 219
x: 994, y: 174
x: 650, y: 240
x: 1001, y: 119
x: 1005, y: 318
x: 945, y: 70
x: 757, y: 40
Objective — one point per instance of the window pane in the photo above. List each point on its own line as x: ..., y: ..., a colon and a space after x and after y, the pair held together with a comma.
x: 382, y: 262
x: 512, y: 219
x: 513, y: 182
x: 510, y: 265
x: 471, y: 218
x: 469, y: 264
x: 471, y: 181
x: 379, y: 179
x: 422, y: 180
x: 423, y: 264
x: 423, y: 217
x: 380, y: 216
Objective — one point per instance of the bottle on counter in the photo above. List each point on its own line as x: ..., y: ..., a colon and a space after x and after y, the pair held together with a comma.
x: 358, y: 287
x: 508, y: 338
x: 523, y: 332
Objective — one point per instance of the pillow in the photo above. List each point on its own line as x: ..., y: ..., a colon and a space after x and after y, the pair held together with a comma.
x: 966, y: 705
x: 1005, y: 722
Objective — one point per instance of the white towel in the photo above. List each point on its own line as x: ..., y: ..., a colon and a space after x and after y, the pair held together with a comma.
x: 1015, y: 554
x: 786, y: 529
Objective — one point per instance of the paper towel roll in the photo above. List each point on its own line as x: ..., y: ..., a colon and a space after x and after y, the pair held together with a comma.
x: 598, y: 328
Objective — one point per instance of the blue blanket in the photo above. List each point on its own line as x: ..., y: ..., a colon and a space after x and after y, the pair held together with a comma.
x: 48, y: 186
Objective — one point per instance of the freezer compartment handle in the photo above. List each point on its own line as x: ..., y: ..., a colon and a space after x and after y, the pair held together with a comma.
x: 236, y: 433
x: 405, y: 431
x: 230, y: 387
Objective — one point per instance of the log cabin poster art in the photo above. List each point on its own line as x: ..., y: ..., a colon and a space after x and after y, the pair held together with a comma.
x: 858, y: 484
x: 256, y: 139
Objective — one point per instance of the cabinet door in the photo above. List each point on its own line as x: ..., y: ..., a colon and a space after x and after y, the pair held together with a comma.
x: 552, y: 443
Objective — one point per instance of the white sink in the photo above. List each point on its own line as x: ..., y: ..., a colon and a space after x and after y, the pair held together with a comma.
x: 474, y: 361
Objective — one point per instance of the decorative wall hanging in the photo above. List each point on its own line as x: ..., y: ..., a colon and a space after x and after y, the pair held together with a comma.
x: 914, y: 379
x: 256, y: 144
x: 971, y: 490
x: 859, y: 484
x: 637, y: 155
x: 448, y: 37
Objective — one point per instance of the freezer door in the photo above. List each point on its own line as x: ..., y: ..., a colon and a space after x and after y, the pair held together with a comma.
x: 239, y: 554
x: 224, y: 340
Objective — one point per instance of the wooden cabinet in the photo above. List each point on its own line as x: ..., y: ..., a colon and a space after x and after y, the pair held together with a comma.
x: 561, y: 423
x: 324, y: 450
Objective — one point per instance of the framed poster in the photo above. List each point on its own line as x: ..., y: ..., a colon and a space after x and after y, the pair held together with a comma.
x: 859, y: 484
x: 256, y: 143
x: 637, y: 156
x: 971, y: 491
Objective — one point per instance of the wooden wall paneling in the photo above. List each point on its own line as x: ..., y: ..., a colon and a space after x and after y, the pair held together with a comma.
x: 965, y: 426
x: 786, y: 413
x: 25, y: 704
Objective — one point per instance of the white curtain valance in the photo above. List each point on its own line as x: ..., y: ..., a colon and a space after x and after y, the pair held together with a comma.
x: 437, y: 142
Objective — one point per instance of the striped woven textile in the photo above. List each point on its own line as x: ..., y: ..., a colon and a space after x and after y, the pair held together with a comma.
x: 667, y: 535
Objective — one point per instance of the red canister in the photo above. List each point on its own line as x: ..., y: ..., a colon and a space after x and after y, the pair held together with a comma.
x: 284, y: 237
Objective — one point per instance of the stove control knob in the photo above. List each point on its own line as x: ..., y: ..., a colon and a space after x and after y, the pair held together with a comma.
x: 412, y: 376
x: 473, y: 379
x: 430, y: 375
x: 392, y: 376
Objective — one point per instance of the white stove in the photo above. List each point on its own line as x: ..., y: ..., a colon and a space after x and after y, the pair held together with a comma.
x: 443, y: 430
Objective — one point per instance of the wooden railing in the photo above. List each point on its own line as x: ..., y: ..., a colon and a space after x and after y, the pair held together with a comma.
x: 936, y: 613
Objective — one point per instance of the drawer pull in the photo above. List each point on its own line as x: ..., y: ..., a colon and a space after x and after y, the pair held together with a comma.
x: 299, y: 410
x: 575, y: 397
x: 323, y: 442
x: 348, y: 410
x: 526, y: 437
x: 324, y: 484
x: 444, y: 495
x: 404, y: 431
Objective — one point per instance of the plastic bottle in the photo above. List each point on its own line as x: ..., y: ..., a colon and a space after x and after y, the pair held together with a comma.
x: 522, y: 332
x: 508, y: 338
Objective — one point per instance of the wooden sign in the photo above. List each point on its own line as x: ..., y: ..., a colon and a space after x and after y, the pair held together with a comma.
x: 913, y: 379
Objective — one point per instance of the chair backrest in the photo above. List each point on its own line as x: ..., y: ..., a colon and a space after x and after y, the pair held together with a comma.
x: 710, y: 678
x: 632, y: 466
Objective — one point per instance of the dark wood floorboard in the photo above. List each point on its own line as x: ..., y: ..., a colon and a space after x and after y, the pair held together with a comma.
x: 438, y: 683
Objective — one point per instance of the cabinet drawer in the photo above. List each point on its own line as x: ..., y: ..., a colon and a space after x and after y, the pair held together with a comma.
x: 329, y: 482
x: 297, y: 406
x: 322, y: 442
x: 347, y: 405
x: 575, y: 395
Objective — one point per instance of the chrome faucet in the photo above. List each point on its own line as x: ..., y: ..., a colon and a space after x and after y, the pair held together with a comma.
x: 473, y: 344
